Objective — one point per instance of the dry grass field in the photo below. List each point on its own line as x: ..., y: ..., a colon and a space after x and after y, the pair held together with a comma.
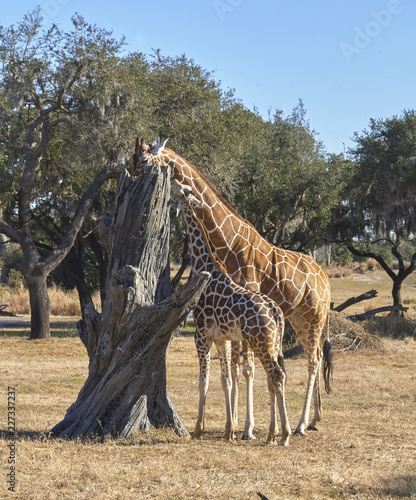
x: 365, y: 448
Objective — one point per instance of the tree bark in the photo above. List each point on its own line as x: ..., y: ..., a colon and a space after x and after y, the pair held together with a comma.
x: 40, y: 306
x: 128, y: 343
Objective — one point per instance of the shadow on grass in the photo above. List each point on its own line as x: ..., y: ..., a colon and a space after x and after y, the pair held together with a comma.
x: 399, y: 486
x: 151, y: 437
x: 29, y: 435
x: 25, y: 333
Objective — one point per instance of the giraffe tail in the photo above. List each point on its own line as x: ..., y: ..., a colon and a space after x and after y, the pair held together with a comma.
x: 281, y: 361
x: 280, y: 322
x: 328, y: 366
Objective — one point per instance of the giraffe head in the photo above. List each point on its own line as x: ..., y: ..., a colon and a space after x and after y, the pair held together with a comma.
x: 184, y: 195
x: 145, y: 155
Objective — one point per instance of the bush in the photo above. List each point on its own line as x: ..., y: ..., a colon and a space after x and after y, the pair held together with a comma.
x: 63, y: 303
x: 347, y: 335
x: 11, y: 263
x: 397, y: 327
x: 338, y: 271
x: 342, y: 255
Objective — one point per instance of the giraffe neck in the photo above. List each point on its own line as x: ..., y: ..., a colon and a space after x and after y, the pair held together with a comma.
x: 222, y: 223
x: 202, y: 258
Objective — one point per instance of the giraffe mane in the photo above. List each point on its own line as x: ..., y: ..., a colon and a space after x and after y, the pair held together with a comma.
x: 214, y: 190
x: 216, y: 263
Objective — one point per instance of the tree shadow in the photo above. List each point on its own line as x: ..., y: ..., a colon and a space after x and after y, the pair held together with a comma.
x: 24, y: 435
x: 399, y: 486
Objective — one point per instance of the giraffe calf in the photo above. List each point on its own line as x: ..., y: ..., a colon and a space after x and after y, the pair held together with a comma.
x: 227, y: 312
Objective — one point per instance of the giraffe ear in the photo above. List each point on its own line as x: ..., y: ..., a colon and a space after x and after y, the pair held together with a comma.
x: 159, y: 146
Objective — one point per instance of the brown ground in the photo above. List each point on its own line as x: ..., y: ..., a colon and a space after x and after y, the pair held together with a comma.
x: 366, y: 446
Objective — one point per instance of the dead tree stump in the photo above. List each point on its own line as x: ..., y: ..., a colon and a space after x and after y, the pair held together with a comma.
x: 127, y: 344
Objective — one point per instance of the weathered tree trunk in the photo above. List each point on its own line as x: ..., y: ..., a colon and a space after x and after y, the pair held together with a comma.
x: 355, y: 300
x: 127, y: 344
x: 397, y: 309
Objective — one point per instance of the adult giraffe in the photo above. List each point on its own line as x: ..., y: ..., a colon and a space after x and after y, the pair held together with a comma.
x: 293, y: 280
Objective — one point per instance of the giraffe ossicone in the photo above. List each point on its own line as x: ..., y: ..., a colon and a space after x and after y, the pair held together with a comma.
x: 227, y: 312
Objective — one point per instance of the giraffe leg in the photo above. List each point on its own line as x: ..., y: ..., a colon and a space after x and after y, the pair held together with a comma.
x: 317, y: 417
x: 276, y: 382
x: 303, y: 422
x: 235, y: 375
x: 309, y: 336
x: 224, y: 349
x: 248, y: 372
x: 273, y: 429
x: 203, y: 347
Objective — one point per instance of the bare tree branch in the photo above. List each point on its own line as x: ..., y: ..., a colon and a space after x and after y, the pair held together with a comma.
x: 9, y: 231
x: 56, y: 257
x: 375, y: 256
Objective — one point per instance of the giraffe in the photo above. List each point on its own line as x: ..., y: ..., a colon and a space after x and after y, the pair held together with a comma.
x: 293, y: 280
x: 226, y: 312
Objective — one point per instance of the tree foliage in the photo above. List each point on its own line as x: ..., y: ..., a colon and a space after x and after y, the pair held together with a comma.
x: 44, y: 109
x: 378, y: 207
x: 73, y: 102
x: 289, y: 185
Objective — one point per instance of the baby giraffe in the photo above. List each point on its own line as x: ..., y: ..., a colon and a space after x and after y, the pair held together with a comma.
x: 227, y: 312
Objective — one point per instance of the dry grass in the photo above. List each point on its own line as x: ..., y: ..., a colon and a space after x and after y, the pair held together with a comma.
x: 338, y: 271
x: 345, y: 271
x: 365, y: 447
x: 64, y: 303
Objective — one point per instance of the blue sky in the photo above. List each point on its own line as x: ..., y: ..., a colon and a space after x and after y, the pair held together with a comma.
x: 348, y: 61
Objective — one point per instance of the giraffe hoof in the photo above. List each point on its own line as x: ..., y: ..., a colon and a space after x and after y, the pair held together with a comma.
x: 299, y: 432
x: 312, y: 428
x: 271, y: 440
x: 284, y: 441
x: 230, y: 437
x: 248, y: 437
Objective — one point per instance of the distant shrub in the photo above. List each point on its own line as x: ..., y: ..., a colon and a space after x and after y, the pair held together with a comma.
x: 63, y: 303
x: 342, y: 255
x: 338, y: 271
x: 397, y: 327
x: 372, y: 264
x: 11, y: 263
x: 15, y: 279
x: 363, y: 268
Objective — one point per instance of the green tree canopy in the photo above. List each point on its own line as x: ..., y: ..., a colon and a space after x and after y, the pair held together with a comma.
x: 288, y: 185
x: 378, y: 206
x: 45, y: 104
